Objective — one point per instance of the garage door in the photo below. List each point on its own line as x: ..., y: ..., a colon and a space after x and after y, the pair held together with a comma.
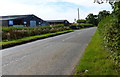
x: 32, y: 23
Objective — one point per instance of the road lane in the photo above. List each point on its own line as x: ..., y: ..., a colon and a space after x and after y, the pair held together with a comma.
x: 52, y: 56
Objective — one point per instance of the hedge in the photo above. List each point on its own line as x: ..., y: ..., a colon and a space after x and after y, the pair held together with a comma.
x: 109, y: 29
x: 82, y: 25
x: 13, y: 33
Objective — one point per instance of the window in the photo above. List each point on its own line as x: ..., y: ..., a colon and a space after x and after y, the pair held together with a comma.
x: 10, y: 22
x: 25, y: 22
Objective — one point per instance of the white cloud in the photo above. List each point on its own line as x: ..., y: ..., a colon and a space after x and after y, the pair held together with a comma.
x: 50, y: 9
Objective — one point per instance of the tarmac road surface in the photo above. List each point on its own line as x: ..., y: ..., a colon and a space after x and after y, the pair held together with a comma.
x: 51, y: 56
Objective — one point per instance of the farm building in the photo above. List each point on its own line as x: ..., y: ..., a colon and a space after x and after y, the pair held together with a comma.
x: 55, y: 22
x: 22, y: 21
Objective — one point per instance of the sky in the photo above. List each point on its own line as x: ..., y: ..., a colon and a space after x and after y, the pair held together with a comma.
x: 52, y: 9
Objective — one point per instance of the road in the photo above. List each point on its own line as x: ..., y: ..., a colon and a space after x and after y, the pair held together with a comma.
x: 52, y: 56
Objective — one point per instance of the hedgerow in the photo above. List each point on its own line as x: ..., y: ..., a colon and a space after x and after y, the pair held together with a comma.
x: 82, y: 25
x: 13, y: 33
x: 109, y: 29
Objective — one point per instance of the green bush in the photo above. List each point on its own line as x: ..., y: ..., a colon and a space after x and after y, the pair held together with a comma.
x: 13, y: 33
x: 85, y: 25
x: 80, y: 26
x: 109, y: 29
x: 81, y: 21
x: 73, y: 27
x: 58, y: 25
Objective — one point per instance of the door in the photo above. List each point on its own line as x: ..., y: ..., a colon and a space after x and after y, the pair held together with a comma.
x: 32, y: 23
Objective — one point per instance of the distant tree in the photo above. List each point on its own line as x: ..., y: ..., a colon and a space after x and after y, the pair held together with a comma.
x: 103, y: 14
x: 92, y: 19
x: 115, y: 6
x: 81, y: 21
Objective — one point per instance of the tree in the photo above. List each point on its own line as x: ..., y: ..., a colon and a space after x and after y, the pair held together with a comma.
x: 92, y: 19
x: 116, y: 9
x: 111, y: 2
x: 81, y: 21
x: 103, y: 14
x: 115, y: 6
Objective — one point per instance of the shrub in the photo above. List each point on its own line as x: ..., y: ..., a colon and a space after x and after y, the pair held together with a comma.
x: 58, y: 25
x: 86, y: 25
x: 81, y: 21
x: 73, y: 27
x: 109, y: 29
x: 79, y: 26
x: 13, y: 33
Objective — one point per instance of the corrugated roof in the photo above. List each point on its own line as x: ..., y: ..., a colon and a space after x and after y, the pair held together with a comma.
x: 10, y: 18
x: 13, y: 17
x: 55, y: 20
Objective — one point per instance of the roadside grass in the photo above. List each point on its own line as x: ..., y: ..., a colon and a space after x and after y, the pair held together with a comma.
x: 96, y: 60
x: 33, y: 37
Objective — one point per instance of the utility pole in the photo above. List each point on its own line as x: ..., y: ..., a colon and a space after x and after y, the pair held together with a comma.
x: 78, y: 14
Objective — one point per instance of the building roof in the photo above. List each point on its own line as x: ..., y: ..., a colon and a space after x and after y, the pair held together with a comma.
x: 14, y: 17
x: 55, y: 20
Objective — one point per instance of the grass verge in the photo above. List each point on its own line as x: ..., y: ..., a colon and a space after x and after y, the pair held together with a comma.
x: 96, y: 60
x: 31, y: 38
